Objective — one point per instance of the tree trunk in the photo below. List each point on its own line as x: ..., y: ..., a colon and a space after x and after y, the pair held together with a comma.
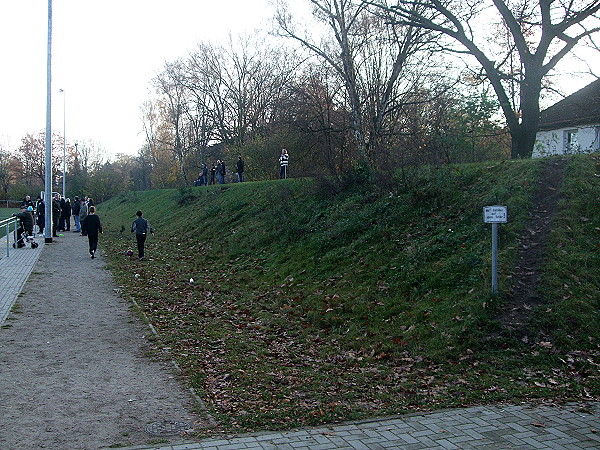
x: 523, y: 137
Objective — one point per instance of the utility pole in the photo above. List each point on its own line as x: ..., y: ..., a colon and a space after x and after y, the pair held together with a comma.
x: 48, y: 170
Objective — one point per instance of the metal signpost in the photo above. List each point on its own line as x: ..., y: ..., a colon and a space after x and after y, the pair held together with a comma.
x: 495, y: 215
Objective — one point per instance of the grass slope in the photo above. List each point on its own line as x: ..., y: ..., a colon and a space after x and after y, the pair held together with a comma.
x: 310, y: 306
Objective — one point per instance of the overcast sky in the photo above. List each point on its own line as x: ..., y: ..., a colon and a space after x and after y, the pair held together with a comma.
x: 104, y: 55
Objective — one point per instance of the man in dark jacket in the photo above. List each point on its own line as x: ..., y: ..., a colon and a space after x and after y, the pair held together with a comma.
x: 27, y: 202
x: 141, y: 227
x: 40, y: 209
x: 56, y: 210
x: 92, y: 227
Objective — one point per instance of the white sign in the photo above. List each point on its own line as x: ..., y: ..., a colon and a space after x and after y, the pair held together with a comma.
x: 495, y: 214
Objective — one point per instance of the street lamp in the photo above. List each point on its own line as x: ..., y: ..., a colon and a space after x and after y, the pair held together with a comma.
x: 64, y: 186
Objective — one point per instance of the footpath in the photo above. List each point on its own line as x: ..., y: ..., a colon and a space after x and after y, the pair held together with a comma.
x: 74, y: 374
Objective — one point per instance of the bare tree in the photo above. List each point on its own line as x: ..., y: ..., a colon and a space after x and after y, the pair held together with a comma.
x: 540, y: 33
x: 171, y: 87
x: 6, y: 171
x: 370, y: 57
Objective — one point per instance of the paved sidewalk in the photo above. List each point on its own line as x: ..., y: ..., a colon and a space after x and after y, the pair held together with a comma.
x: 500, y: 427
x: 14, y: 271
x: 573, y: 426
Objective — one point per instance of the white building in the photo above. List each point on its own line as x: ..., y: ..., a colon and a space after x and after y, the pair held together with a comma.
x: 571, y: 125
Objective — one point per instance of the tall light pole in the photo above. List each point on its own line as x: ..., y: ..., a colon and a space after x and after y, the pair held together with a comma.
x: 48, y: 167
x: 64, y: 189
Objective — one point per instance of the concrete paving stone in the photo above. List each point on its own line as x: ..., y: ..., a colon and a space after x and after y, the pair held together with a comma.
x: 389, y: 435
x: 393, y: 444
x: 577, y: 434
x: 269, y: 437
x: 306, y: 445
x: 408, y: 438
x: 556, y: 432
x: 534, y: 443
x: 588, y: 444
x: 358, y: 445
x: 349, y: 427
x: 467, y: 426
x: 280, y: 446
x: 513, y: 440
x: 416, y: 426
x: 474, y: 434
x: 526, y: 434
x: 219, y: 442
x: 460, y: 439
x: 516, y: 427
x: 426, y: 442
x: 339, y: 442
x: 445, y: 443
x: 420, y: 434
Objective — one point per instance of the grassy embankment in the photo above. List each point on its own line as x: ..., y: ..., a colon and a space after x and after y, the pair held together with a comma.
x: 310, y: 306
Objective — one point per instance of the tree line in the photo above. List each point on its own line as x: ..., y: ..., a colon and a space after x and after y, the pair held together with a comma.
x: 371, y: 85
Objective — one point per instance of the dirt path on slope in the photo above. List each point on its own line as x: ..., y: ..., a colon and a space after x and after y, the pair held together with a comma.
x: 73, y: 370
x: 524, y: 295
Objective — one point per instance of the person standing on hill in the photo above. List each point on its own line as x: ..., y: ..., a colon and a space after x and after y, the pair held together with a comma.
x: 92, y: 227
x: 204, y: 176
x: 213, y: 171
x: 283, y: 164
x: 220, y: 172
x: 141, y: 227
x: 240, y: 169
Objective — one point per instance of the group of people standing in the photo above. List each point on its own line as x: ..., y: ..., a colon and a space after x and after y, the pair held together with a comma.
x: 217, y: 171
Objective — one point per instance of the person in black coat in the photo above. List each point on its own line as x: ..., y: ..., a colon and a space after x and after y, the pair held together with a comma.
x: 92, y: 227
x: 56, y: 210
x: 65, y: 215
x: 240, y: 169
x: 40, y: 209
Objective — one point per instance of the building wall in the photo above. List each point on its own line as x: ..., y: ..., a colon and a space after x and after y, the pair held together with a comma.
x: 566, y: 141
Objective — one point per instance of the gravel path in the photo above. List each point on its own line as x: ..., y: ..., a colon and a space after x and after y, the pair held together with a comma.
x: 73, y: 370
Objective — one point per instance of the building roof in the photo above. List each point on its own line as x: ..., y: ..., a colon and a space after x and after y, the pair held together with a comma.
x: 580, y: 108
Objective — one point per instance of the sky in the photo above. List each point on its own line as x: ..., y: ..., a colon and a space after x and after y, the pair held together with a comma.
x: 104, y: 55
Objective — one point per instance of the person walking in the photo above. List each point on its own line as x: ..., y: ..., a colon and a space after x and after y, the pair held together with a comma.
x: 240, y: 169
x: 283, y: 164
x: 75, y: 211
x: 92, y: 227
x: 141, y: 227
